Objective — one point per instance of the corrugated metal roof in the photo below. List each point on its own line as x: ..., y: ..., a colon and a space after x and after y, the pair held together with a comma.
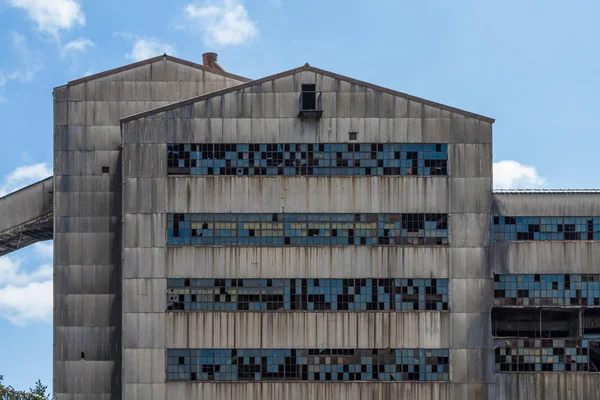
x: 545, y: 191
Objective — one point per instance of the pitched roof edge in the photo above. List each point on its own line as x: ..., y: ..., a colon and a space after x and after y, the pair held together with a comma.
x: 210, y: 95
x: 305, y: 67
x: 153, y: 60
x: 402, y: 94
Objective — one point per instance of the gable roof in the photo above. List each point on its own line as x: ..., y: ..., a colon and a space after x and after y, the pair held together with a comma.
x: 305, y: 67
x: 153, y: 60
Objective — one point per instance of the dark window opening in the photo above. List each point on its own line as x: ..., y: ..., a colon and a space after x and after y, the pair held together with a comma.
x: 309, y: 97
x: 535, y: 323
x: 105, y: 170
x: 353, y: 135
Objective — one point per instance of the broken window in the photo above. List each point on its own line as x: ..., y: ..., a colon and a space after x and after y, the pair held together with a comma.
x: 535, y: 323
x: 307, y: 294
x: 546, y: 322
x: 546, y: 228
x: 308, y: 364
x: 547, y: 290
x: 321, y: 159
x: 307, y: 229
x: 546, y: 355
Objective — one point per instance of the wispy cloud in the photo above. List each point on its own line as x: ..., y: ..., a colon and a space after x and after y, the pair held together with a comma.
x: 510, y: 174
x: 29, y: 64
x: 76, y: 46
x: 222, y: 23
x: 52, y: 16
x: 26, y: 297
x: 23, y: 176
x: 44, y: 249
x: 146, y: 47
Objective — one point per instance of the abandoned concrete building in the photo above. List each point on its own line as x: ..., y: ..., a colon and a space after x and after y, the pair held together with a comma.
x: 301, y: 236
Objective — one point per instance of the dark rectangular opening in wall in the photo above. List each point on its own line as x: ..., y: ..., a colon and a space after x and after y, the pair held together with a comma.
x: 535, y: 323
x: 309, y: 97
x: 591, y: 323
x: 105, y: 170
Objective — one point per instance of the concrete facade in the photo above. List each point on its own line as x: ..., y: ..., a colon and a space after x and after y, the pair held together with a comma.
x: 113, y: 197
x: 266, y: 111
x: 87, y: 212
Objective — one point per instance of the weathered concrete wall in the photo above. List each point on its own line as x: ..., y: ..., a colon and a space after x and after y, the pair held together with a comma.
x: 546, y: 257
x: 88, y: 208
x: 533, y: 257
x: 301, y: 391
x: 266, y: 113
x: 548, y: 386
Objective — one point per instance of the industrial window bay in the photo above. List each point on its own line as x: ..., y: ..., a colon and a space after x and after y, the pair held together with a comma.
x: 313, y: 294
x: 302, y: 229
x: 546, y: 228
x: 308, y: 364
x: 307, y: 159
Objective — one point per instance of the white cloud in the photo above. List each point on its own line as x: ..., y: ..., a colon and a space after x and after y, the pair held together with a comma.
x: 23, y: 176
x: 224, y: 23
x: 144, y: 48
x: 510, y: 174
x: 44, y: 249
x: 25, y: 297
x: 52, y: 16
x: 78, y: 45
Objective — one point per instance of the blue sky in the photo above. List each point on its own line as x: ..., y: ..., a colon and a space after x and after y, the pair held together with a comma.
x: 531, y: 65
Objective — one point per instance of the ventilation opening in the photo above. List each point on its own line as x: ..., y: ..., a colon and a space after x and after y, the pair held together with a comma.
x: 105, y: 170
x: 353, y: 136
x: 309, y: 97
x: 535, y: 323
x: 82, y: 355
x: 591, y: 323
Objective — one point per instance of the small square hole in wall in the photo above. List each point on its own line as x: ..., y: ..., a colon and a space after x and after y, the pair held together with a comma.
x: 105, y: 170
x: 353, y: 135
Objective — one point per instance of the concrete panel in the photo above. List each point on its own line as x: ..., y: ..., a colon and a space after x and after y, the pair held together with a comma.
x: 469, y: 230
x: 470, y: 262
x: 302, y: 194
x: 144, y: 330
x: 306, y: 330
x: 547, y: 386
x: 471, y: 195
x: 144, y: 295
x: 144, y: 365
x: 145, y: 230
x: 471, y: 365
x: 469, y: 160
x: 471, y: 295
x: 471, y: 330
x: 308, y: 262
x: 547, y: 204
x: 550, y: 257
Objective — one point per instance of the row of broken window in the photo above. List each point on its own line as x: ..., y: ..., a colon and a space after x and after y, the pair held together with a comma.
x: 546, y: 322
x: 307, y: 294
x: 308, y: 364
x: 300, y: 229
x: 546, y: 228
x: 320, y: 159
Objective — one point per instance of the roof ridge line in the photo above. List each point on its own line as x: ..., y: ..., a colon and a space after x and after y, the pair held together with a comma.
x: 165, y: 56
x: 305, y: 67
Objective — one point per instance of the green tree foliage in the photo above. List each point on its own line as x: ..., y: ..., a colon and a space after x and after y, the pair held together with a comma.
x: 37, y: 393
